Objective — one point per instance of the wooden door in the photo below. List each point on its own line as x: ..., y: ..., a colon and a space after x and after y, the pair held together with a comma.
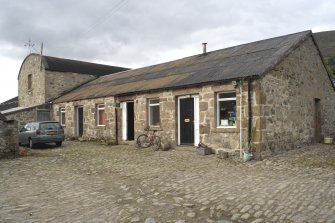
x: 186, y: 121
x: 130, y: 120
x: 80, y: 121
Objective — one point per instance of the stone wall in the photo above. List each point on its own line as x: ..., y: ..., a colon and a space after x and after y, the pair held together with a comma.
x: 288, y: 96
x: 46, y: 84
x: 91, y: 130
x: 32, y: 114
x: 209, y: 133
x: 59, y: 82
x: 9, y: 144
x: 22, y: 117
x: 35, y: 95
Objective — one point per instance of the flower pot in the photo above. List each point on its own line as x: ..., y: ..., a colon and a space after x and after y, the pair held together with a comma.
x: 204, y: 151
x: 247, y: 156
x: 328, y: 140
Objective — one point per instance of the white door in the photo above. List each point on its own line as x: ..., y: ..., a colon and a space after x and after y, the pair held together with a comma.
x: 124, y: 120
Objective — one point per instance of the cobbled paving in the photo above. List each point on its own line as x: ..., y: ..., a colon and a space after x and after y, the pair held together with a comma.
x: 90, y: 182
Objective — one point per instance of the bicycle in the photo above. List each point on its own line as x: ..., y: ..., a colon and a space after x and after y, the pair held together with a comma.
x: 149, y: 139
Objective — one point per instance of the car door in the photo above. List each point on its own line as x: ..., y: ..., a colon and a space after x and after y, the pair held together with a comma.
x: 21, y: 136
x: 25, y: 134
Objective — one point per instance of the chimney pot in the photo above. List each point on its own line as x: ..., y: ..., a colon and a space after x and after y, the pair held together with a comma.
x: 204, y: 50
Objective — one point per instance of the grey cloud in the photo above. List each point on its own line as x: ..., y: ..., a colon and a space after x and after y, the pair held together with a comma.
x: 141, y: 32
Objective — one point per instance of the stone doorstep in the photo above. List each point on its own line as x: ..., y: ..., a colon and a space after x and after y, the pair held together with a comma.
x: 230, y: 151
x: 127, y: 142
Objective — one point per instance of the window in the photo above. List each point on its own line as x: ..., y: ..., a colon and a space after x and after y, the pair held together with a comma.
x: 226, y: 110
x: 101, y: 115
x: 62, y: 116
x: 29, y: 81
x: 154, y: 119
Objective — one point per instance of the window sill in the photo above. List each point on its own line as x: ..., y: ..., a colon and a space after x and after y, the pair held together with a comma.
x: 226, y: 130
x: 157, y: 128
x: 101, y: 125
x: 226, y: 127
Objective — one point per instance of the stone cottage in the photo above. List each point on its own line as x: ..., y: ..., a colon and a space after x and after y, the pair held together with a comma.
x: 43, y: 78
x: 269, y: 95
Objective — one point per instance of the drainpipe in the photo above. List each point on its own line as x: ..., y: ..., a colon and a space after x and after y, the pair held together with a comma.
x: 241, y: 99
x: 116, y: 127
x: 250, y: 113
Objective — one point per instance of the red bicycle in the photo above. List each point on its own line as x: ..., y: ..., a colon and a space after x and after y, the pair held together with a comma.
x: 149, y: 139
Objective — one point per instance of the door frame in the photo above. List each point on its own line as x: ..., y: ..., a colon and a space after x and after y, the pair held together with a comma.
x: 124, y: 123
x: 196, y: 118
x: 77, y: 120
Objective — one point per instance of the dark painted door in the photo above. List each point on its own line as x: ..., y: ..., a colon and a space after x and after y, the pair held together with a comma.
x: 80, y: 120
x: 130, y: 120
x: 186, y: 121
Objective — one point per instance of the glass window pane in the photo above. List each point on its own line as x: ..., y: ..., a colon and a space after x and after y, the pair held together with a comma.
x: 102, y: 117
x: 49, y: 126
x: 154, y: 116
x: 154, y: 101
x: 63, y: 118
x: 227, y: 113
x: 227, y: 95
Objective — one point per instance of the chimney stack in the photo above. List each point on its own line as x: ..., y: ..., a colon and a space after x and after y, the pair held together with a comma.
x: 204, y: 50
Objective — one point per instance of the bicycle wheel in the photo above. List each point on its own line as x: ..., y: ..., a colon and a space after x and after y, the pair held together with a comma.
x: 156, y: 144
x: 143, y: 141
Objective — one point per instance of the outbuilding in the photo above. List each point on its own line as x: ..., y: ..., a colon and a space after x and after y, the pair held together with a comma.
x: 264, y: 96
x: 43, y: 78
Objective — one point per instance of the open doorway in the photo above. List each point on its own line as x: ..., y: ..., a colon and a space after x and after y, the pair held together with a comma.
x: 128, y: 120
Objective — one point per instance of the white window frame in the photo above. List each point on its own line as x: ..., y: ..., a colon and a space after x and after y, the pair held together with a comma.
x: 99, y: 108
x: 218, y: 100
x: 61, y: 111
x: 149, y: 115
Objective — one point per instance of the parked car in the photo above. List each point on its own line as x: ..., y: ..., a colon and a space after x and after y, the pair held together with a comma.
x: 41, y: 132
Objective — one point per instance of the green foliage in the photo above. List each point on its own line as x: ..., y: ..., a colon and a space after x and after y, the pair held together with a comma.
x: 331, y: 61
x: 331, y: 65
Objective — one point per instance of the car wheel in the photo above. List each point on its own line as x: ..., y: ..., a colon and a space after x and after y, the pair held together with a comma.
x: 31, y: 144
x: 58, y: 144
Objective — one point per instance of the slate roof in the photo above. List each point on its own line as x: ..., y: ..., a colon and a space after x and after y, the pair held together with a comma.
x: 247, y: 60
x: 81, y: 67
x: 11, y: 103
x: 76, y: 66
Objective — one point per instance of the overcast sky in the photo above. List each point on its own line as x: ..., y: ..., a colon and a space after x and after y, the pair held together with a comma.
x: 133, y: 33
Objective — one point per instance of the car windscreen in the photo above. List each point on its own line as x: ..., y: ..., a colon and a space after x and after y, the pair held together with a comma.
x: 49, y: 126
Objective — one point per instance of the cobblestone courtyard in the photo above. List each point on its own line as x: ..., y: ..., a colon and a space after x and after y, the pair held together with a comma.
x: 88, y: 182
